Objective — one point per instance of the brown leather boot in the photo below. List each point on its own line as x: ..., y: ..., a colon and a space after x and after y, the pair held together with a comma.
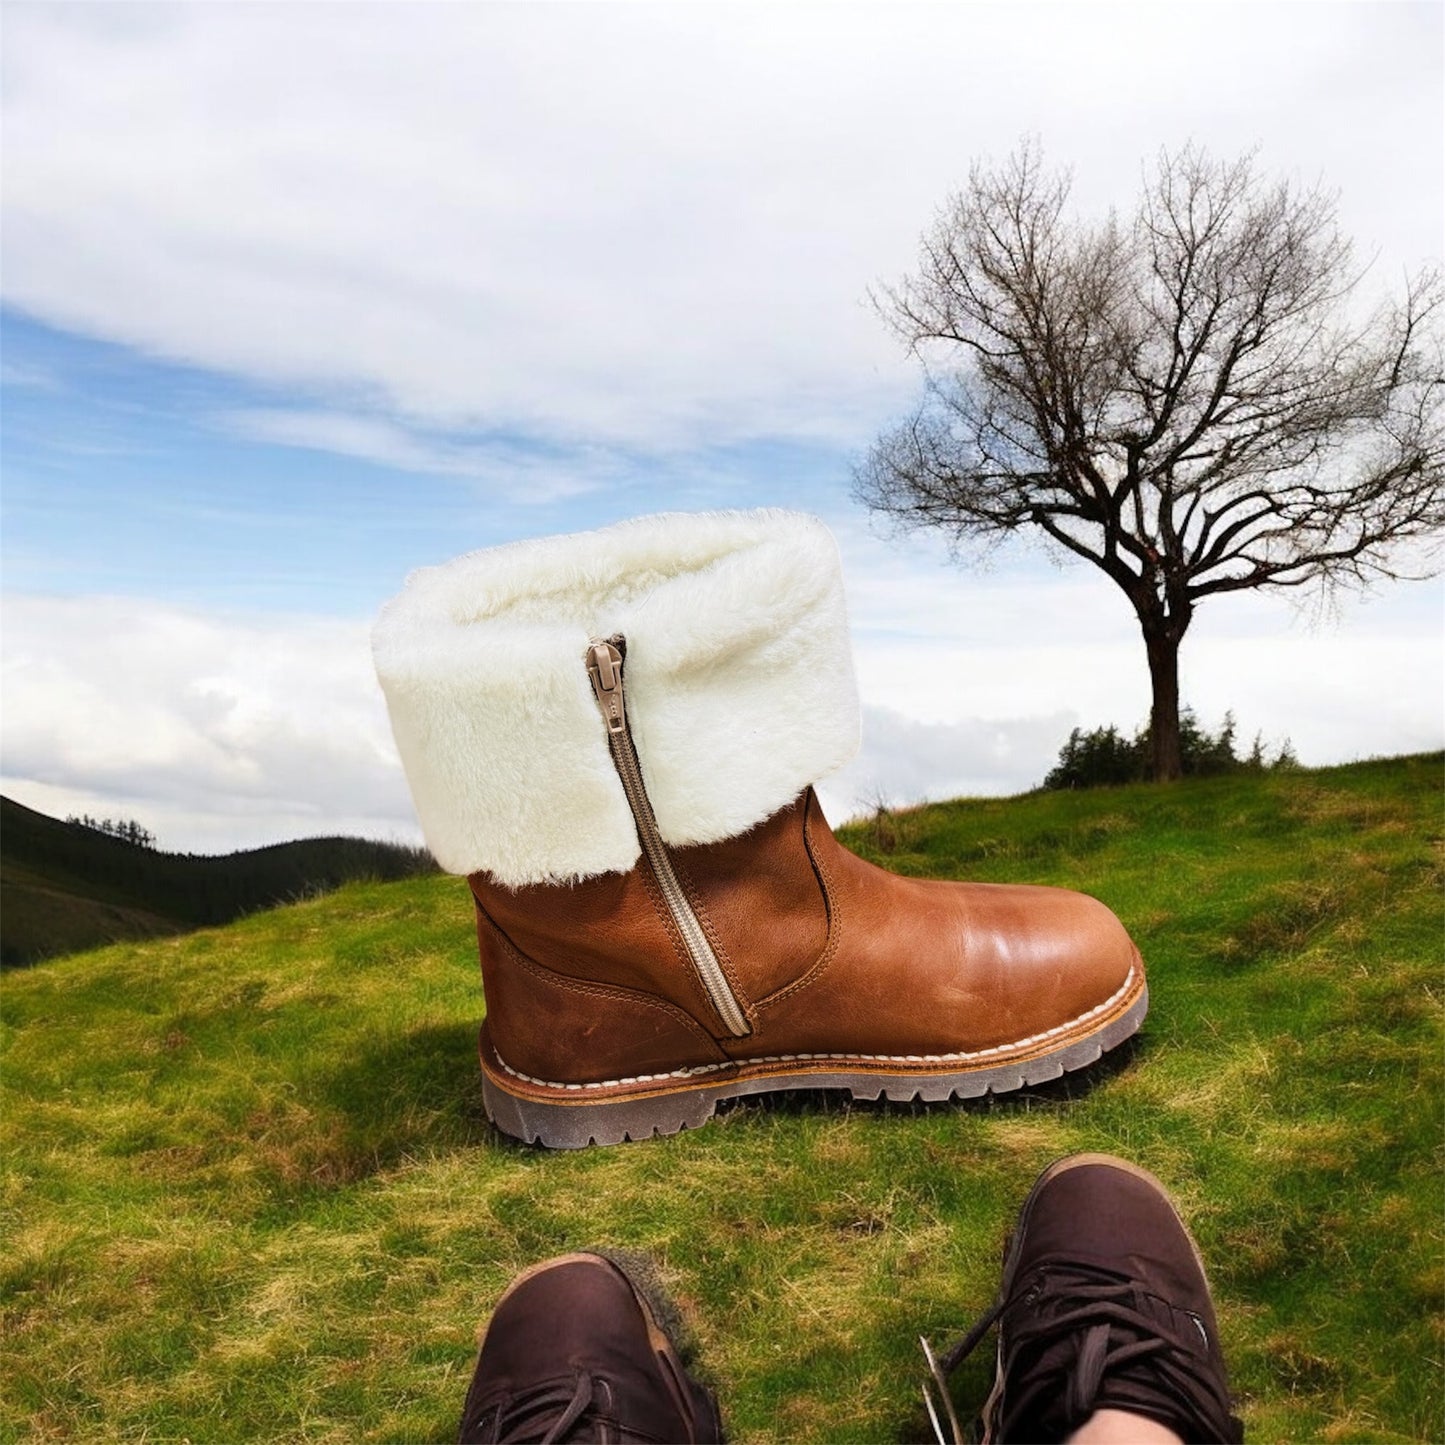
x: 665, y: 918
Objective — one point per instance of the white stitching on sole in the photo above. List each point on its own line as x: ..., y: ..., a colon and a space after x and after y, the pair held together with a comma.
x: 865, y: 1058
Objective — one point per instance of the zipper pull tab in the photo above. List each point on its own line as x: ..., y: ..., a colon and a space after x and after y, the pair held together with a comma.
x: 604, y: 667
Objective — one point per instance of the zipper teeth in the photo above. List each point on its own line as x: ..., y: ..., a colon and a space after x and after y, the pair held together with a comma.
x: 629, y: 770
x: 672, y: 891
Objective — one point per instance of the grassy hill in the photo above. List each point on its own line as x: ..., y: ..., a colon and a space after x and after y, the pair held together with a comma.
x: 249, y: 1192
x: 65, y: 887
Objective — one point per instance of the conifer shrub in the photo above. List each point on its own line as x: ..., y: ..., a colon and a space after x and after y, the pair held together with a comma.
x: 1104, y: 757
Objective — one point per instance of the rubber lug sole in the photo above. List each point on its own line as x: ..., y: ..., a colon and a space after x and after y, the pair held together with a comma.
x: 629, y: 1119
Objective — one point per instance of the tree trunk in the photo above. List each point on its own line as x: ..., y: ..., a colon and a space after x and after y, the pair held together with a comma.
x: 1163, y: 649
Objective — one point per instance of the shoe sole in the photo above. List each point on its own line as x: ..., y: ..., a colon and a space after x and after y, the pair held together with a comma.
x: 988, y: 1416
x: 537, y: 1112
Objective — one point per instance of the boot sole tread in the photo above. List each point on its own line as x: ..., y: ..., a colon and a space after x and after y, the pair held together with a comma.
x: 575, y: 1125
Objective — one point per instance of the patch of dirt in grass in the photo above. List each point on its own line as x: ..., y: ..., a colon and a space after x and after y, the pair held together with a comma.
x: 47, y: 1425
x: 1356, y: 1423
x: 845, y: 1416
x: 1316, y: 806
x: 1286, y: 918
x: 1039, y: 1137
x: 294, y: 1146
x: 1315, y: 1146
x: 1297, y: 1366
x: 1151, y: 920
x: 41, y: 1261
x: 841, y: 1145
x: 854, y: 1215
x: 170, y: 1042
x: 1242, y: 1077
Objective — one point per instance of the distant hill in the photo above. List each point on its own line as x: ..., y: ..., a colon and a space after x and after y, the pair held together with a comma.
x: 65, y: 887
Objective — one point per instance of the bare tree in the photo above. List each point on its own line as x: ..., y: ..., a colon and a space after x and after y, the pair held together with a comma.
x: 1193, y: 400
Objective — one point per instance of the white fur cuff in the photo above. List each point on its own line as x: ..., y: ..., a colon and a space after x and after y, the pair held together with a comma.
x: 739, y: 681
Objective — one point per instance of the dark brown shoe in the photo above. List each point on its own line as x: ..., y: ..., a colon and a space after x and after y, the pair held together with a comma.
x: 573, y: 1352
x: 1104, y: 1305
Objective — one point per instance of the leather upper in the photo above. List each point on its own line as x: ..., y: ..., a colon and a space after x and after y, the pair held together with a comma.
x: 573, y: 1334
x: 826, y: 953
x: 1105, y: 1305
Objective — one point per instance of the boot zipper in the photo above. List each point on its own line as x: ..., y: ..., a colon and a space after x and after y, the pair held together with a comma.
x: 604, y: 667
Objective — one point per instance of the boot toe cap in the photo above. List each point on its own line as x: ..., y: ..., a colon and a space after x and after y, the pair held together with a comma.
x: 1054, y: 957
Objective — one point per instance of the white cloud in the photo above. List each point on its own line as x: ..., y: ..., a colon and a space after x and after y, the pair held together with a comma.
x: 977, y: 675
x: 29, y: 376
x: 904, y: 760
x: 521, y: 474
x: 648, y: 225
x: 214, y: 732
x: 218, y: 732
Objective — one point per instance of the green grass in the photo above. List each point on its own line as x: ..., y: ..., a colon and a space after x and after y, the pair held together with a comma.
x: 249, y: 1191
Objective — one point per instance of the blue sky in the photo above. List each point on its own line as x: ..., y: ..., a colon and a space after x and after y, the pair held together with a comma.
x: 295, y: 298
x: 130, y: 475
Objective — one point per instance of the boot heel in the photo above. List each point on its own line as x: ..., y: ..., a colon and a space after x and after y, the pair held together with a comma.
x: 575, y: 1126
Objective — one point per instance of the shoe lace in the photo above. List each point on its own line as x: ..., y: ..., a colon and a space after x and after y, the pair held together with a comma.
x: 519, y: 1417
x: 1058, y: 1359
